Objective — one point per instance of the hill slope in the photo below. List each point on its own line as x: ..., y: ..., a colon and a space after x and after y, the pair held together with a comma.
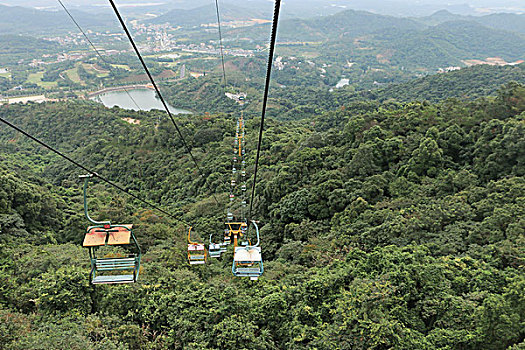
x: 376, y: 40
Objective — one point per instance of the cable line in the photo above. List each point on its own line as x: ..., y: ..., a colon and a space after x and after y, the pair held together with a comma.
x: 220, y: 41
x: 265, y: 98
x: 94, y: 48
x: 109, y: 182
x: 121, y: 20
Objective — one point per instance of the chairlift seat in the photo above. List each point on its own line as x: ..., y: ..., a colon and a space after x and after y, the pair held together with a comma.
x: 197, y: 259
x: 245, y: 271
x: 104, y: 234
x: 247, y: 262
x: 115, y: 264
x: 215, y: 250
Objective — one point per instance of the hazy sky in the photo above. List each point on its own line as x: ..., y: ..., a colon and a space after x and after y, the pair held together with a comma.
x: 393, y: 7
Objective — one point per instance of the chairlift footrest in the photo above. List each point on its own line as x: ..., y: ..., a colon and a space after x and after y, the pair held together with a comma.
x: 113, y: 279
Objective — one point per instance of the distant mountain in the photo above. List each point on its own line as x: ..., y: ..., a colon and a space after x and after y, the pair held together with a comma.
x: 347, y: 24
x: 440, y: 17
x: 17, y: 19
x: 207, y: 14
x: 505, y: 21
x: 370, y: 38
x: 356, y: 23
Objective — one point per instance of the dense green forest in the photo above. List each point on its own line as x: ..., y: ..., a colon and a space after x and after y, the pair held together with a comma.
x: 385, y: 225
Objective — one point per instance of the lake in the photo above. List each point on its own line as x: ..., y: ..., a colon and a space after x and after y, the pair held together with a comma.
x: 145, y: 99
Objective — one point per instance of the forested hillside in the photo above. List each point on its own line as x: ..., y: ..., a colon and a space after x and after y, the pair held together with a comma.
x: 378, y: 40
x: 206, y: 14
x: 393, y: 225
x: 471, y: 83
x: 301, y: 99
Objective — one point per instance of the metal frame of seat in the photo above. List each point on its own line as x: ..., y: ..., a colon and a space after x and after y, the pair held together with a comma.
x: 234, y: 229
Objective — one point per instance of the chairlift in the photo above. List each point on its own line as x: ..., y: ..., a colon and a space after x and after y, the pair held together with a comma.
x: 216, y: 249
x: 104, y: 234
x: 247, y: 260
x: 196, y: 251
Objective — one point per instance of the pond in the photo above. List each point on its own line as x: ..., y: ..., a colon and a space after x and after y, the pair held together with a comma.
x: 145, y: 98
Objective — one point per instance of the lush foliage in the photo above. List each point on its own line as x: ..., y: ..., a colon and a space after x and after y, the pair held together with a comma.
x: 399, y: 225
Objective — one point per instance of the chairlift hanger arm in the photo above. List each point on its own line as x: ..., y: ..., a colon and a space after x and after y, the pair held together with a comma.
x: 94, y: 222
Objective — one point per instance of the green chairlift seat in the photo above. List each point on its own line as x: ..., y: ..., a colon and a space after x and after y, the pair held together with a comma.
x: 116, y: 269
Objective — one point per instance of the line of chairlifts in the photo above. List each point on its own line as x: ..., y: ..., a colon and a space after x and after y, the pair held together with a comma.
x: 247, y: 258
x: 117, y: 267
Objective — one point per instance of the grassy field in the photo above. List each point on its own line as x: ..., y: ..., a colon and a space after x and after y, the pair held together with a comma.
x: 6, y: 75
x: 36, y: 78
x: 73, y: 75
x: 90, y: 68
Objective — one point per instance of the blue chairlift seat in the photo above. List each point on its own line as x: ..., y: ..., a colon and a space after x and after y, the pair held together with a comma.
x: 214, y: 249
